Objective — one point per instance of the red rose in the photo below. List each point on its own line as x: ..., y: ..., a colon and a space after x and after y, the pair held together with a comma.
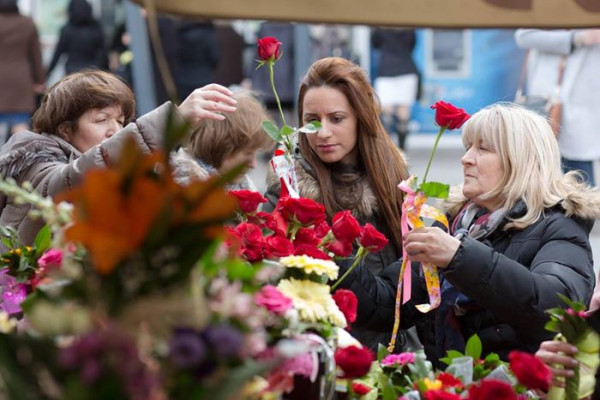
x: 269, y: 48
x: 491, y: 389
x: 322, y: 229
x: 530, y: 370
x: 279, y: 246
x: 354, y: 361
x: 305, y: 211
x: 345, y: 227
x: 449, y: 380
x: 449, y: 116
x: 248, y: 200
x: 371, y: 239
x: 340, y: 249
x: 311, y: 251
x: 440, y: 395
x: 347, y: 303
x: 252, y: 241
x: 360, y: 389
x: 306, y: 236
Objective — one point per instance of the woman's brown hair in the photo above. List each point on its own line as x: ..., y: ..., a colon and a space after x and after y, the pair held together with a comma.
x: 69, y: 98
x: 384, y: 166
x: 214, y: 141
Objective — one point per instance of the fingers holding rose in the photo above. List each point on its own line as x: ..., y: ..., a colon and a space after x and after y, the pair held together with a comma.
x: 431, y: 245
x: 559, y: 358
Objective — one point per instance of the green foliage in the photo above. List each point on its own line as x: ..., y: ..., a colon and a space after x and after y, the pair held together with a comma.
x: 271, y: 130
x: 435, y: 189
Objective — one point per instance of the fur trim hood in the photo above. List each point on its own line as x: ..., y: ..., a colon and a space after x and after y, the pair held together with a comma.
x: 358, y: 197
x: 582, y: 203
x: 17, y: 159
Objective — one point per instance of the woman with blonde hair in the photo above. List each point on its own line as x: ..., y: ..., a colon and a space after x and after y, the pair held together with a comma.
x: 519, y: 236
x: 350, y: 164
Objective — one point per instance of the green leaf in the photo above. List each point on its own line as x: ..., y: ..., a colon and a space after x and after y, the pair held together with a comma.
x: 311, y: 127
x: 382, y: 352
x: 389, y: 392
x: 473, y: 347
x: 437, y: 190
x: 272, y: 131
x: 286, y: 130
x: 42, y: 240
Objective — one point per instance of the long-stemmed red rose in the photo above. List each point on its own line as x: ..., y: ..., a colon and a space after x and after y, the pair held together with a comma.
x: 447, y: 116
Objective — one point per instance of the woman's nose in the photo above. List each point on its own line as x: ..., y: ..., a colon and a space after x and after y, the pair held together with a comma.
x: 114, y: 127
x: 467, y: 158
x: 324, y: 130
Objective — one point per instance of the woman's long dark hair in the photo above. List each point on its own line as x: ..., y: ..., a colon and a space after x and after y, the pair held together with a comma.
x: 384, y: 166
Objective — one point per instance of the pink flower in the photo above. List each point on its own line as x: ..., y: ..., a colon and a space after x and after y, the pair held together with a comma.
x: 300, y: 365
x: 51, y: 258
x: 273, y: 300
x: 398, y: 359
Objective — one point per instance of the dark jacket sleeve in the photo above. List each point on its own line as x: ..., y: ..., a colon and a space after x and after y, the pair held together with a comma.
x: 60, y: 48
x: 563, y: 264
x: 377, y: 295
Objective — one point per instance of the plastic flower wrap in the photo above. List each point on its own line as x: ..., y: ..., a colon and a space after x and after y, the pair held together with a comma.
x: 570, y: 326
x: 414, y: 209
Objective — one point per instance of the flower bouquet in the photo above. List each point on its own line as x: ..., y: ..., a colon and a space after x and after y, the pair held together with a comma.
x: 135, y: 299
x: 414, y: 209
x: 570, y: 326
x: 410, y: 376
x: 298, y: 250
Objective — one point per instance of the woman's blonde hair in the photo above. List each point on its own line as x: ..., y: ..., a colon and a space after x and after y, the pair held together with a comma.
x: 530, y: 158
x: 214, y: 141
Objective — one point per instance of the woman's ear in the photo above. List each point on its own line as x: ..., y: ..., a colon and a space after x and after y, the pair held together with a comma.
x: 65, y: 131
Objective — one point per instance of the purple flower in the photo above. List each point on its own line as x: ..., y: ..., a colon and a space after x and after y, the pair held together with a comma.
x: 13, y: 293
x: 187, y: 348
x: 224, y: 340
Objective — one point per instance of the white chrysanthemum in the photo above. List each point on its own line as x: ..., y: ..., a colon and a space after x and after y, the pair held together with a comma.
x: 313, y: 301
x: 311, y: 265
x: 7, y: 324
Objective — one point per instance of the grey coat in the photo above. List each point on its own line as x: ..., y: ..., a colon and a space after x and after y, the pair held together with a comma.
x: 53, y: 165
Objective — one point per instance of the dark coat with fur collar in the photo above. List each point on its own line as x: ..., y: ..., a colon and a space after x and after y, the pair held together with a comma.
x: 355, y: 194
x: 53, y: 165
x: 514, y: 276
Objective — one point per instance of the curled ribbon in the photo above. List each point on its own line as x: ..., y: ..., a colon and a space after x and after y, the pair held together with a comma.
x: 413, y: 210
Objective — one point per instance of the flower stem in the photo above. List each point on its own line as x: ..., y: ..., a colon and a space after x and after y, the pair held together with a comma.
x: 360, y: 254
x: 286, y: 139
x: 435, y: 145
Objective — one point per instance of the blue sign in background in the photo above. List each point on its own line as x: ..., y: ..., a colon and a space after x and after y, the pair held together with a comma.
x: 468, y: 68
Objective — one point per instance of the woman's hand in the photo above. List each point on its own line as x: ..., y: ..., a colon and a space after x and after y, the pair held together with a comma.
x: 556, y: 352
x: 209, y: 101
x: 431, y: 245
x: 594, y: 302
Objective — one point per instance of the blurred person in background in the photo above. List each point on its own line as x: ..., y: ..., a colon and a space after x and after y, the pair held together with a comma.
x: 198, y: 56
x: 578, y: 138
x: 81, y: 40
x: 21, y: 70
x: 397, y: 79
